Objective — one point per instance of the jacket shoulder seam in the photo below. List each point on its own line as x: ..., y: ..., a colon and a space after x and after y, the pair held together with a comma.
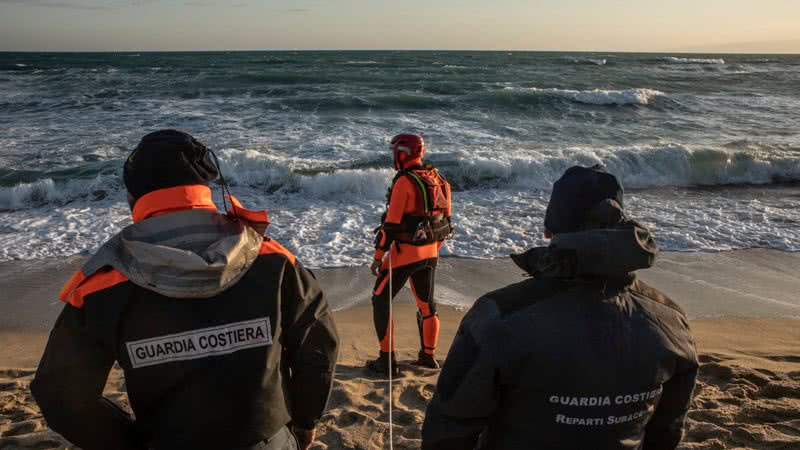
x: 508, y: 307
x: 272, y: 247
x: 651, y: 294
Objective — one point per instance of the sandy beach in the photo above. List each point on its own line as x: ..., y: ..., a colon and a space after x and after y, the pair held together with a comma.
x: 743, y: 307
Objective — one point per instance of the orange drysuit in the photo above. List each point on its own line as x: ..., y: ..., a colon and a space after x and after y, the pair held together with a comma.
x: 409, y: 261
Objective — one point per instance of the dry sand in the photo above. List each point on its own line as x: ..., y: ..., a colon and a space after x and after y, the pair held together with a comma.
x: 748, y: 395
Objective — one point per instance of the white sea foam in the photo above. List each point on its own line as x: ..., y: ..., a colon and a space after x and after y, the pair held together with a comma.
x: 637, y: 96
x: 336, y: 231
x: 677, y: 60
x: 595, y: 61
x: 326, y: 217
x: 369, y: 183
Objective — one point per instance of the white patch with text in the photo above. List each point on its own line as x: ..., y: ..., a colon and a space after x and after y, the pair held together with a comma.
x: 200, y: 343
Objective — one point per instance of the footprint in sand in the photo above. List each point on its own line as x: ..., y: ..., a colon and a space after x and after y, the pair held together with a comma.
x: 704, y: 431
x: 780, y: 389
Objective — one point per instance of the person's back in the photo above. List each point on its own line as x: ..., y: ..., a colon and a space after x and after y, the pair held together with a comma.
x: 224, y: 338
x: 581, y: 355
x: 416, y: 223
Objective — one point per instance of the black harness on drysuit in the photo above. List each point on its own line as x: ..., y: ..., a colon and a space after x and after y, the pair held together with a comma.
x: 432, y: 226
x: 427, y: 224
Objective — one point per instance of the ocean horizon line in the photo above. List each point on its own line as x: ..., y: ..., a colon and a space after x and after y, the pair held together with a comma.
x: 622, y: 52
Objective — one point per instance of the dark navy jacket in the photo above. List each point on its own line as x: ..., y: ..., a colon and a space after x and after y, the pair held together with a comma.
x: 224, y: 338
x: 580, y: 356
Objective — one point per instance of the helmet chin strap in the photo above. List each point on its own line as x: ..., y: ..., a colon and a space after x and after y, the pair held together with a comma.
x: 401, y: 163
x: 399, y: 160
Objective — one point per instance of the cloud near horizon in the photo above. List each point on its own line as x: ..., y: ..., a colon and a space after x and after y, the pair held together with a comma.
x: 55, y: 4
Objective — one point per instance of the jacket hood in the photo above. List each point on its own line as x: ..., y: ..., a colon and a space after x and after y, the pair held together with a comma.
x: 194, y: 253
x: 612, y: 252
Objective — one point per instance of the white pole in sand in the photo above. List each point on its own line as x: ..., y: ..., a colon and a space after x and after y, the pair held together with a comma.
x: 391, y: 350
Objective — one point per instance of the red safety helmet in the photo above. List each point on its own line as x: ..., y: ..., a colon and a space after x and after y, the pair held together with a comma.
x: 411, y: 145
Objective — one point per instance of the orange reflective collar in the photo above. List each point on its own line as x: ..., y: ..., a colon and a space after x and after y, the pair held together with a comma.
x: 79, y: 286
x: 74, y: 281
x: 179, y: 198
x: 259, y: 217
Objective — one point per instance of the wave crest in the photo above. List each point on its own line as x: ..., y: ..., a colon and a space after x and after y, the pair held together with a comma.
x: 48, y: 191
x: 677, y: 60
x: 600, y: 97
x: 590, y: 61
x: 316, y: 178
x: 636, y: 166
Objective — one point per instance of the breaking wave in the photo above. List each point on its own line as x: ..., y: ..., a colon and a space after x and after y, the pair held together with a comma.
x: 637, y: 167
x: 449, y: 97
x: 677, y: 60
x: 601, y: 97
x: 591, y: 61
x: 47, y: 191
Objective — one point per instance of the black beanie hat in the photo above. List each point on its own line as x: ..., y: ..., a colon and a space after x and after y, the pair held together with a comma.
x: 167, y: 158
x: 574, y: 195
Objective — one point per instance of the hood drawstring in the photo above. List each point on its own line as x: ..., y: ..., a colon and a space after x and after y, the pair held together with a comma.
x: 226, y: 193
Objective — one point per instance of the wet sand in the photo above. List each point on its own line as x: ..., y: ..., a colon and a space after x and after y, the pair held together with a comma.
x: 742, y: 306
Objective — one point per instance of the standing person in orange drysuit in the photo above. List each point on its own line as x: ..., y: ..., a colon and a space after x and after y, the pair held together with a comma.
x: 415, y: 225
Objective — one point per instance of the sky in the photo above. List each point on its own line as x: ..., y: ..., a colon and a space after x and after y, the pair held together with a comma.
x: 568, y: 25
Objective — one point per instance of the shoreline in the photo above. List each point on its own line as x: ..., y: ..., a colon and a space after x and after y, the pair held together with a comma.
x: 734, y: 283
x: 758, y: 284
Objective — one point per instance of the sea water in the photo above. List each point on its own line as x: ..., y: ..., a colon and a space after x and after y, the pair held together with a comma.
x: 707, y: 146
